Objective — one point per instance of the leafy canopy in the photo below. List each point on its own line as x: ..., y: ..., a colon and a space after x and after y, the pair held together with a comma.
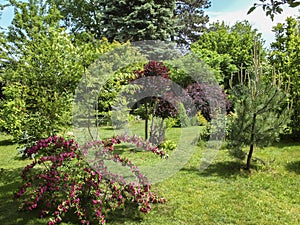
x: 227, y: 50
x: 285, y: 56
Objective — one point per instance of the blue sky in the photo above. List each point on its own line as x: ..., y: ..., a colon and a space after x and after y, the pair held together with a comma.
x: 229, y: 11
x: 7, y: 15
x: 229, y: 5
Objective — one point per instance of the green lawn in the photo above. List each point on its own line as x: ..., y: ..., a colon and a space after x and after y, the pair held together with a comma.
x: 222, y: 194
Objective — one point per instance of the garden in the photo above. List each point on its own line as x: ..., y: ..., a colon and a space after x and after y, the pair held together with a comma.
x: 104, y: 123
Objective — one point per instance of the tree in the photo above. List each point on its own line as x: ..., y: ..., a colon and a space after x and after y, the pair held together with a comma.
x: 191, y: 20
x: 3, y: 60
x: 205, y: 96
x: 285, y: 55
x: 182, y: 21
x: 112, y: 87
x: 120, y: 20
x: 260, y: 112
x: 42, y: 73
x: 228, y: 50
x: 159, y: 106
x: 40, y: 81
x: 274, y: 7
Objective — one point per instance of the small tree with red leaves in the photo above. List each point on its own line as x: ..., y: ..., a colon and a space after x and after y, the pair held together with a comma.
x: 156, y: 80
x: 208, y: 97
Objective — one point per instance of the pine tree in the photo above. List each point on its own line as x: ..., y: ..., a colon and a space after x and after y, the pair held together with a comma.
x: 191, y: 20
x: 121, y: 20
x: 260, y: 112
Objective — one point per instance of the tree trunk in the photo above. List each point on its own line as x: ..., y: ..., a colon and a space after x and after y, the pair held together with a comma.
x: 146, y: 121
x: 251, y: 142
x: 249, y: 157
x: 152, y: 121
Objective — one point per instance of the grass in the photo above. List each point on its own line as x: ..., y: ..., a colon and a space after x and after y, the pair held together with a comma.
x: 221, y: 194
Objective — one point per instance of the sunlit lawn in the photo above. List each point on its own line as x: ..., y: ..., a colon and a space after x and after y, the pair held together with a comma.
x: 221, y: 194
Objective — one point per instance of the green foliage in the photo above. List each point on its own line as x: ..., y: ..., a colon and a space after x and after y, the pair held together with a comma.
x: 179, y: 75
x: 260, y: 113
x: 113, y: 86
x: 191, y: 20
x: 182, y: 117
x: 13, y: 110
x: 227, y: 50
x: 285, y: 57
x: 120, y: 20
x: 39, y: 83
x: 273, y: 7
x: 182, y: 21
x: 171, y: 122
x: 44, y: 67
x: 201, y: 119
x: 168, y: 145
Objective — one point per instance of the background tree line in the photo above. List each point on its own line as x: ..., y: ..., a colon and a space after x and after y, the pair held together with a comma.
x: 50, y: 43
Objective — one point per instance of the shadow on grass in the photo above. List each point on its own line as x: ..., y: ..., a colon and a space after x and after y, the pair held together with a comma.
x: 286, y: 143
x: 126, y: 147
x: 10, y: 181
x: 293, y: 166
x: 6, y: 142
x: 107, y: 128
x: 129, y: 214
x: 227, y: 169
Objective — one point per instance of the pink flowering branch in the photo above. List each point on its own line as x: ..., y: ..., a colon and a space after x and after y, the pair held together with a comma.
x: 68, y: 181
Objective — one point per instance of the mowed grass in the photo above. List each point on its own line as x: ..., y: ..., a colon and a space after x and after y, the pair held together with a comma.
x: 221, y: 194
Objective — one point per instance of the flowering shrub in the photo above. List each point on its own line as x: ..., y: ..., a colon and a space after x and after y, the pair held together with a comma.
x: 64, y: 177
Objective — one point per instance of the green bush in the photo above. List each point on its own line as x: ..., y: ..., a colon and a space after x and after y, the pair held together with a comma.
x: 168, y: 145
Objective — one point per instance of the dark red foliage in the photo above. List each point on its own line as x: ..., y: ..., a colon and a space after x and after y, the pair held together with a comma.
x: 208, y: 99
x: 158, y: 87
x: 153, y: 68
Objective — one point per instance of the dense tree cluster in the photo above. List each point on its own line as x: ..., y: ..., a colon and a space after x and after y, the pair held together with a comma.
x: 50, y: 44
x: 182, y: 21
x: 228, y: 49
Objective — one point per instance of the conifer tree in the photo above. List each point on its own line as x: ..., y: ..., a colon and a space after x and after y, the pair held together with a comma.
x: 121, y: 20
x: 261, y: 112
x: 191, y: 20
x: 180, y: 21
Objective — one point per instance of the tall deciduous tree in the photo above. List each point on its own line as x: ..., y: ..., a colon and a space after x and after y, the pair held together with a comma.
x: 228, y: 50
x: 285, y: 56
x: 40, y: 79
x: 121, y: 20
x: 44, y: 67
x: 191, y: 20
